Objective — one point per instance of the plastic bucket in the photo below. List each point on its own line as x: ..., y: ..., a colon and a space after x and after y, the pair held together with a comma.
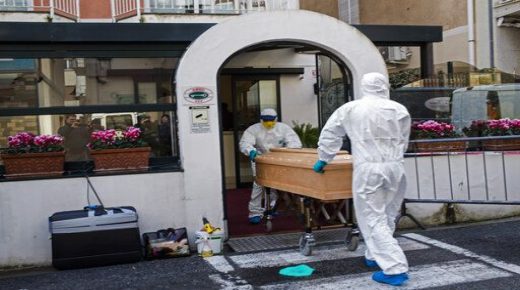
x: 215, y: 241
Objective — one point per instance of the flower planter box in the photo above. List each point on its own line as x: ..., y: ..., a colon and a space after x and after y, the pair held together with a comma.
x: 124, y: 159
x: 291, y: 170
x: 501, y: 144
x: 46, y: 164
x: 441, y: 146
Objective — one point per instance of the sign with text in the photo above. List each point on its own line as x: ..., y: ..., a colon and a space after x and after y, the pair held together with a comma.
x: 200, y: 119
x: 198, y: 96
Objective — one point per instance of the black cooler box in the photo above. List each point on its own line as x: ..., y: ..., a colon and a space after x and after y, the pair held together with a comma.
x: 95, y: 237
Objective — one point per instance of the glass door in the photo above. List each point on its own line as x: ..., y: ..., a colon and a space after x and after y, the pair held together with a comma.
x: 333, y: 86
x: 251, y: 94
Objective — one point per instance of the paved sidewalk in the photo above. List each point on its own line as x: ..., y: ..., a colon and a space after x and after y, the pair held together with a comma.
x: 477, y: 256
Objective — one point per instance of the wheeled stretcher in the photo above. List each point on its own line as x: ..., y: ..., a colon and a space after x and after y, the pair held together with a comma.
x: 290, y: 170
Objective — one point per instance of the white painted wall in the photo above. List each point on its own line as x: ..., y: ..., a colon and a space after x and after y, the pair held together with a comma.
x: 507, y: 49
x: 299, y: 103
x: 30, y: 17
x: 296, y: 91
x: 26, y: 205
x: 454, y: 46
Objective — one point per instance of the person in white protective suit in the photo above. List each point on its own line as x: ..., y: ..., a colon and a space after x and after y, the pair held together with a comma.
x: 258, y: 139
x: 378, y: 129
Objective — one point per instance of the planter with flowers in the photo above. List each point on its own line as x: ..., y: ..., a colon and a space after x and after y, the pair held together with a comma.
x: 31, y: 155
x: 114, y: 150
x: 436, y: 130
x: 502, y: 127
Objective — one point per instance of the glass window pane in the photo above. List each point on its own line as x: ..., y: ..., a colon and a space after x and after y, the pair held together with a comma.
x: 157, y: 130
x: 85, y: 81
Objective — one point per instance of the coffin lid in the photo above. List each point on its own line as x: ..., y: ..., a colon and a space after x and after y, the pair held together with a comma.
x: 303, y: 157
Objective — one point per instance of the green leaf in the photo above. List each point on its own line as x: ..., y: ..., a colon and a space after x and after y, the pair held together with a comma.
x: 308, y: 134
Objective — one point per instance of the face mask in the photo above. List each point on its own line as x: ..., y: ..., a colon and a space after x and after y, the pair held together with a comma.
x: 268, y: 124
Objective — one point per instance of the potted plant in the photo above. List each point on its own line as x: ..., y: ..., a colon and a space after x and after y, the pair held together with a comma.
x: 436, y: 130
x: 308, y: 134
x: 501, y: 127
x: 31, y: 155
x: 119, y: 150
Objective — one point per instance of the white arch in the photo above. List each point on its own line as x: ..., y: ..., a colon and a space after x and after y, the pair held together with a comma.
x: 200, y: 152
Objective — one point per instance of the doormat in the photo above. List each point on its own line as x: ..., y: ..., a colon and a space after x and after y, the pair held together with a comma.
x: 283, y: 241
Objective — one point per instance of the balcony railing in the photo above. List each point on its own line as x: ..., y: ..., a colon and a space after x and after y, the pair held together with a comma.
x: 125, y: 8
x: 65, y: 8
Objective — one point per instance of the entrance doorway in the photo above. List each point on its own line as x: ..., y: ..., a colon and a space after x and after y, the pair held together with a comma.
x: 251, y: 94
x: 320, y: 86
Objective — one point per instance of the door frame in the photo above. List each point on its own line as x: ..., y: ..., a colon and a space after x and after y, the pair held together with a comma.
x: 347, y: 83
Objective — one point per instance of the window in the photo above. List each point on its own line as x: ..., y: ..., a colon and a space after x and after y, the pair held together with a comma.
x: 15, y: 5
x: 52, y: 95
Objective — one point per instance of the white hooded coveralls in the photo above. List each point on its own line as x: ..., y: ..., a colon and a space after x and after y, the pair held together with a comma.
x: 258, y: 138
x: 378, y: 129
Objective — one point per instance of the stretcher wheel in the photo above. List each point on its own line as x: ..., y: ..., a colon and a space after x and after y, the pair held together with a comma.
x: 352, y: 240
x: 305, y: 246
x: 268, y: 226
x: 306, y: 243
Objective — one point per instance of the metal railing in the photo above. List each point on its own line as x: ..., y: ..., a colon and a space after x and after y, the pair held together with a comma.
x: 65, y: 8
x: 447, y: 80
x: 125, y: 8
x: 484, y: 172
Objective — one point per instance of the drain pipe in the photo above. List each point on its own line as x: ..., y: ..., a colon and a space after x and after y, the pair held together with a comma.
x: 471, y: 32
x: 349, y: 12
x: 491, y: 24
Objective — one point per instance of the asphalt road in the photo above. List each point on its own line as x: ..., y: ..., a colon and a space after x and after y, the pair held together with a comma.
x: 478, y: 256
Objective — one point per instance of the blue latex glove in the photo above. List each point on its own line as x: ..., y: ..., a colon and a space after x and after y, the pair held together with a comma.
x: 319, y: 165
x: 252, y: 155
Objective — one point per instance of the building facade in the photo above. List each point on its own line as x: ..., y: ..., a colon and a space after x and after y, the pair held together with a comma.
x: 120, y: 63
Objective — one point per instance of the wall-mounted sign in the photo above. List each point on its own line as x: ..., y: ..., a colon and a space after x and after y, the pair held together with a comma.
x: 198, y: 96
x: 200, y: 119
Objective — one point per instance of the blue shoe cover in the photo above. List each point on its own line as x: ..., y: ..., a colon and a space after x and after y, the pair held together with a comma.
x: 370, y: 263
x: 296, y: 271
x: 394, y: 280
x: 255, y: 219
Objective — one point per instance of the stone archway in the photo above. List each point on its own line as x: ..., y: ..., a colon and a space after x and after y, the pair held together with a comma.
x: 196, y: 79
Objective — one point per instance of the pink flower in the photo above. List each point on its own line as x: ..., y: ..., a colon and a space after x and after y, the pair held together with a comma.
x: 25, y: 142
x: 502, y: 127
x: 47, y: 140
x: 21, y: 139
x: 132, y: 133
x: 432, y: 129
x: 104, y: 139
x: 104, y: 136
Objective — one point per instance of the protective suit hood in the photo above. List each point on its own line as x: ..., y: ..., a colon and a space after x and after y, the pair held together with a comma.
x: 375, y: 85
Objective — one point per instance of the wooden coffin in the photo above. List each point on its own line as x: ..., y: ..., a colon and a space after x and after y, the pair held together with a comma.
x: 291, y: 170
